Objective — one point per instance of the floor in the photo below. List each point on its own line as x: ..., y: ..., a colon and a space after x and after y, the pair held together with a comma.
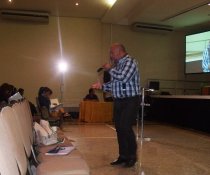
x: 164, y: 150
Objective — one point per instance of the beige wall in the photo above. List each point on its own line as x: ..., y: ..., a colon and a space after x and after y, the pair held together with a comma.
x: 159, y: 54
x: 29, y: 54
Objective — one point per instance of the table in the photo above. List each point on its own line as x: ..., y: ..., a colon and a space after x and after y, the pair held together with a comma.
x: 100, y: 112
x: 190, y: 111
x: 205, y: 90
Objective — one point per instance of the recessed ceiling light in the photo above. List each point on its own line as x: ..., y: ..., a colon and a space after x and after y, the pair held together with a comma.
x: 10, y: 1
x: 208, y: 4
x: 76, y: 3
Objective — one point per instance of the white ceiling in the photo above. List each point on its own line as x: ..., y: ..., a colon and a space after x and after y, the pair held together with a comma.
x: 179, y: 14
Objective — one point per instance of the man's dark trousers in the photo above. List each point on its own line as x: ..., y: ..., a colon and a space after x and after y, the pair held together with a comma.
x: 125, y: 114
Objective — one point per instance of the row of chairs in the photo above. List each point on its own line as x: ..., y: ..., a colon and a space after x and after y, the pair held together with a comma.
x: 16, y: 148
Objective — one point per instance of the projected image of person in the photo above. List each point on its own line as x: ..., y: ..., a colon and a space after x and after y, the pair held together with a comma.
x: 206, y: 59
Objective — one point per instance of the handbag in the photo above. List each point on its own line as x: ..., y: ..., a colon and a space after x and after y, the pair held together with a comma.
x: 44, y: 134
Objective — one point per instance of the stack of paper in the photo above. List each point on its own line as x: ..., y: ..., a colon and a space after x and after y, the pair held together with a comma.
x: 54, y: 104
x: 15, y: 97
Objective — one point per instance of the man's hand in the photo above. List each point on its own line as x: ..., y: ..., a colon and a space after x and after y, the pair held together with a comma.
x: 107, y: 66
x: 97, y: 85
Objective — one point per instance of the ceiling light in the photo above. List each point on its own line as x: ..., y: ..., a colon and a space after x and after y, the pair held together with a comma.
x: 111, y: 2
x: 10, y: 1
x: 62, y: 66
x: 76, y: 3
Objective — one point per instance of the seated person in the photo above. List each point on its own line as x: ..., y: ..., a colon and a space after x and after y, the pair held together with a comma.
x: 44, y: 97
x: 91, y: 96
x: 44, y: 101
x: 6, y: 91
x: 107, y: 95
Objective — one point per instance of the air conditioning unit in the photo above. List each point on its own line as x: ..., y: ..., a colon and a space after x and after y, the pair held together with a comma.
x: 154, y: 28
x: 23, y: 15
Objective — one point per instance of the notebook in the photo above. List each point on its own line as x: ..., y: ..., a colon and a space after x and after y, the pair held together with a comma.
x: 54, y: 103
x: 60, y: 150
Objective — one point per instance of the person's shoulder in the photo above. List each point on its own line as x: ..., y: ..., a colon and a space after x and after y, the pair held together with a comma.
x: 130, y: 59
x: 95, y: 96
x: 87, y: 97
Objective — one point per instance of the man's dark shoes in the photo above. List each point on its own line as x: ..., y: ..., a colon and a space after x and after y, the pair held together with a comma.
x: 119, y: 161
x: 130, y: 163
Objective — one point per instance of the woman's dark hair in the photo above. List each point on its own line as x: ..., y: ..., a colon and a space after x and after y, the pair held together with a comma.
x: 48, y: 90
x: 44, y: 90
x: 21, y: 91
x: 6, y: 90
x: 41, y: 90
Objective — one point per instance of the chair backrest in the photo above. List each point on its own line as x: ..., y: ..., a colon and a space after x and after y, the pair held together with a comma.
x: 14, y: 136
x: 28, y: 117
x: 8, y: 164
x: 22, y: 125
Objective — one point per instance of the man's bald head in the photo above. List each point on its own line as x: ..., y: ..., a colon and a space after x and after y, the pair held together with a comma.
x: 118, y: 46
x: 117, y: 51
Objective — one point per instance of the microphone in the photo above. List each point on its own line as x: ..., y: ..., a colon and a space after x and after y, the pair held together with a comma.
x: 103, y: 68
x: 100, y: 69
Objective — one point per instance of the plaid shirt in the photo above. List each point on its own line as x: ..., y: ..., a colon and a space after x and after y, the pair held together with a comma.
x: 125, y: 80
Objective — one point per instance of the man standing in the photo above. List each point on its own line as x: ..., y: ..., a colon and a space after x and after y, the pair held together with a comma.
x: 125, y: 88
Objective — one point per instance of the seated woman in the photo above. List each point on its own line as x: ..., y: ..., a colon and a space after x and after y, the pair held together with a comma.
x: 6, y: 91
x: 44, y: 102
x: 91, y: 96
x: 44, y: 97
